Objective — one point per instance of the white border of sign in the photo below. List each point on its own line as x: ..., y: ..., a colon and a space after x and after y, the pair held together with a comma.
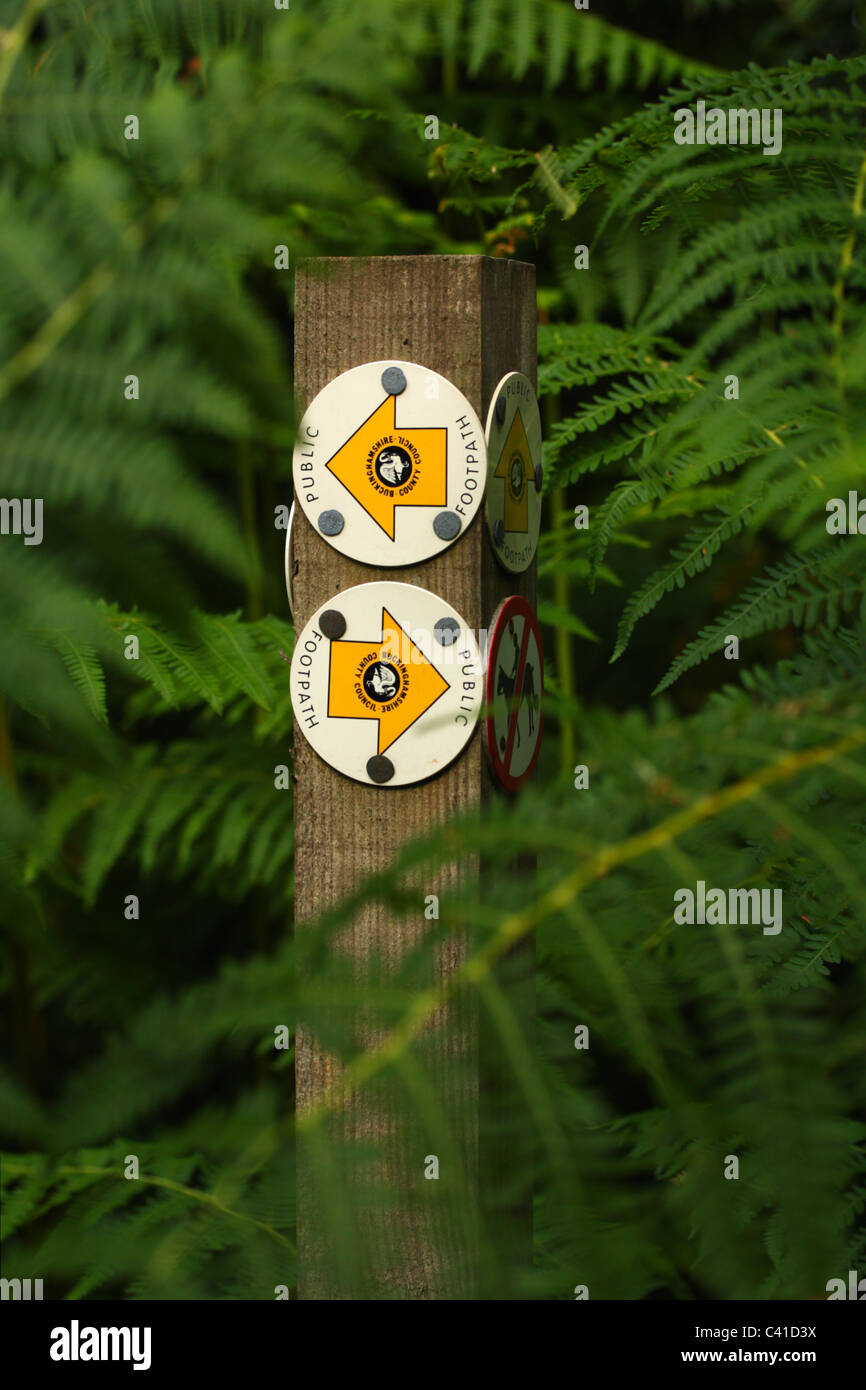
x: 513, y: 549
x: 436, y: 634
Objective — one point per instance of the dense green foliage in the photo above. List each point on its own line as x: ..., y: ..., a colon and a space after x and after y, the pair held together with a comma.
x: 154, y: 777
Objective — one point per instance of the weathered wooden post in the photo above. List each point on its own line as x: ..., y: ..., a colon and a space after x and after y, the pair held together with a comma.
x: 471, y: 319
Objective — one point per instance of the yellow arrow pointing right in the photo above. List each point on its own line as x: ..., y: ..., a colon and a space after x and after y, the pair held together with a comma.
x: 389, y: 679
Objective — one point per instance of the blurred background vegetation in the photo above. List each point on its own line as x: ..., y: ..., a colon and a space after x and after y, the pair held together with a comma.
x: 153, y: 1034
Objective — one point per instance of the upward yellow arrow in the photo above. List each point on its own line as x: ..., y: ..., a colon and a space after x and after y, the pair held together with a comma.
x: 515, y: 468
x: 385, y: 467
x: 386, y: 678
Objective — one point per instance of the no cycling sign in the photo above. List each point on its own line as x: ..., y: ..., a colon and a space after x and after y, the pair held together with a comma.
x: 390, y: 463
x: 514, y: 692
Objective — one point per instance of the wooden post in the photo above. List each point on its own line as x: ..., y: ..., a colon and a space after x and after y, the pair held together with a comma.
x: 472, y: 319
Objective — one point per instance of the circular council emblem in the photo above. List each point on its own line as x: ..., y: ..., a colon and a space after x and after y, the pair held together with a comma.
x: 514, y: 472
x: 514, y: 692
x: 393, y: 466
x: 390, y: 463
x: 387, y: 683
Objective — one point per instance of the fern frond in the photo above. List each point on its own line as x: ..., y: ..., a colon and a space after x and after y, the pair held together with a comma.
x: 800, y: 590
x: 85, y: 671
x: 695, y: 554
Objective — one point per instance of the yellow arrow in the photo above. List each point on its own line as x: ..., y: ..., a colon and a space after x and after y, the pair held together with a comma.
x: 390, y: 680
x: 385, y: 467
x: 515, y: 467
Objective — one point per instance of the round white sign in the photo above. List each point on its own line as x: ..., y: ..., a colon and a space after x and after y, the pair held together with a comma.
x: 387, y: 683
x: 390, y: 463
x: 514, y: 472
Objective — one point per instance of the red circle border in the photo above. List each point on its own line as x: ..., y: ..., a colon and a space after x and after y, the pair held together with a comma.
x: 514, y: 604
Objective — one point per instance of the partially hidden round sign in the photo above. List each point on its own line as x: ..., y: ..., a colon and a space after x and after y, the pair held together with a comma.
x: 514, y: 692
x: 389, y: 463
x: 514, y: 472
x: 289, y: 561
x: 387, y: 683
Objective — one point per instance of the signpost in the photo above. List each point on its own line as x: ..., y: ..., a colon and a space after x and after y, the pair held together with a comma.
x: 467, y: 321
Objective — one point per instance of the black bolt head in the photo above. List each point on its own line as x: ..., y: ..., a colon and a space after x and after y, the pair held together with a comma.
x: 331, y: 522
x: 446, y: 631
x: 380, y: 769
x: 333, y: 624
x: 446, y: 525
x: 393, y: 380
